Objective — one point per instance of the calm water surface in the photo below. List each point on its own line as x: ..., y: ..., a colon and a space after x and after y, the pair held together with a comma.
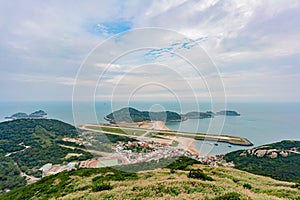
x: 261, y: 123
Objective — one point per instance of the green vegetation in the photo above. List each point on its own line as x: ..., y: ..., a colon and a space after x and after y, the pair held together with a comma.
x: 297, y: 185
x: 32, y: 132
x: 33, y: 158
x: 37, y: 115
x: 281, y: 168
x: 229, y: 196
x: 129, y: 114
x: 110, y: 183
x: 68, y: 182
x: 199, y: 115
x: 284, y: 145
x: 100, y: 186
x: 179, y: 163
x: 182, y: 163
x: 247, y: 185
x: 228, y: 113
x: 9, y: 174
x: 199, y: 174
x: 28, y: 144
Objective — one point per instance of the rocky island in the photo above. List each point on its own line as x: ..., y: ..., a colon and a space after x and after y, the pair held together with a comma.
x: 130, y: 115
x: 199, y: 115
x: 35, y: 115
x: 228, y: 113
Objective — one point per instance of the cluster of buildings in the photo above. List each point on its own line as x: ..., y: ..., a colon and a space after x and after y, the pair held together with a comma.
x: 135, y: 152
x: 215, y: 160
x: 151, y: 151
x: 158, y: 150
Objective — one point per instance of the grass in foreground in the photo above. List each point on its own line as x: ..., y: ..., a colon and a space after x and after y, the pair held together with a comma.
x: 181, y: 180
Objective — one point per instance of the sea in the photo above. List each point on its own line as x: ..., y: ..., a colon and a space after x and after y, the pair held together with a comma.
x: 261, y: 123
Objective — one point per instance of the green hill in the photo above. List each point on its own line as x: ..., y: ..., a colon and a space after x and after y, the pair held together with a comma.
x: 184, y: 179
x: 129, y: 114
x: 28, y: 144
x: 279, y: 160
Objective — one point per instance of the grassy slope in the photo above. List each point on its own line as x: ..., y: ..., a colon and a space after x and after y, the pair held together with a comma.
x: 155, y: 184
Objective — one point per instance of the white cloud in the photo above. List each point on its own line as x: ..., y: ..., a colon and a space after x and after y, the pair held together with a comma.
x: 45, y: 42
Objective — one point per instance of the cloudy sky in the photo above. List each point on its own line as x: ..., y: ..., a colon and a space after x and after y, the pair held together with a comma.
x: 245, y: 50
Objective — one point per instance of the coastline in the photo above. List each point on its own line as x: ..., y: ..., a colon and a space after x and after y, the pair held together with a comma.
x: 188, y: 144
x: 193, y: 150
x: 186, y: 140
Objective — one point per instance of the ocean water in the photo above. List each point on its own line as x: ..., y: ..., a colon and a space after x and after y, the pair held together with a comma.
x: 261, y: 123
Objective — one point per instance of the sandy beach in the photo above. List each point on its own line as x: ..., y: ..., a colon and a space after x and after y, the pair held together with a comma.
x: 188, y: 144
x: 185, y: 143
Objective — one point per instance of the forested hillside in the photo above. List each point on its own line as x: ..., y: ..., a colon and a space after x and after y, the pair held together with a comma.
x: 28, y: 144
x: 279, y: 160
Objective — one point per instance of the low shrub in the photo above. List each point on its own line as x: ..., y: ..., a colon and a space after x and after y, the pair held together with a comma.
x: 182, y: 163
x: 235, y: 180
x: 199, y: 174
x: 229, y: 196
x: 247, y: 186
x: 297, y: 185
x: 100, y: 186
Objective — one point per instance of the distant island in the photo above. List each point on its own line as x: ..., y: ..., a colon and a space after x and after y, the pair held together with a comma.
x: 35, y: 115
x: 228, y: 113
x: 129, y: 114
x: 199, y: 115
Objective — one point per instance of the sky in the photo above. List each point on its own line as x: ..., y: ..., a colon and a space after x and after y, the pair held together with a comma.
x: 148, y: 50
